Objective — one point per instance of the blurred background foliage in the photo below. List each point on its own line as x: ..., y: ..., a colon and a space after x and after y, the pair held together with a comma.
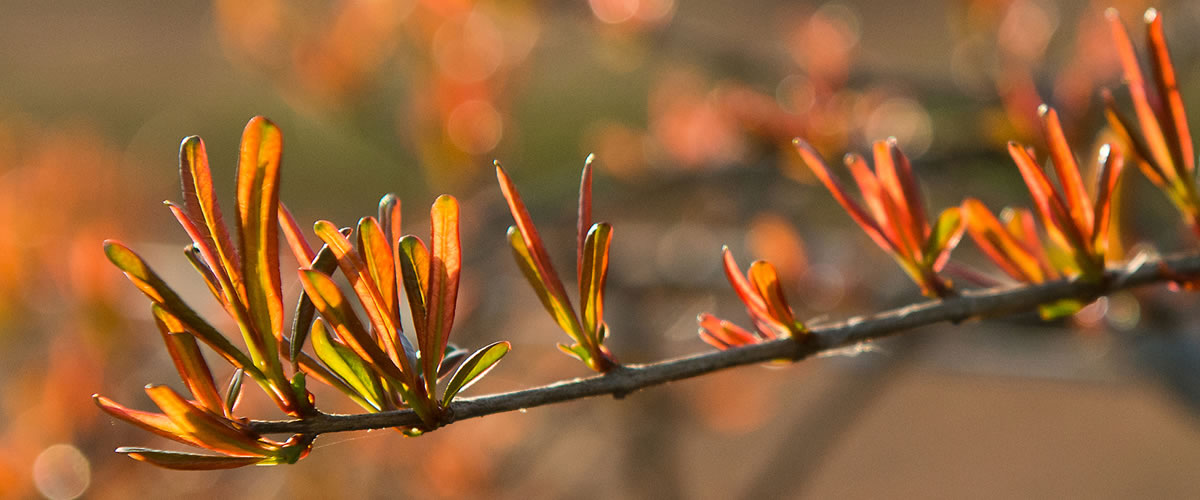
x: 689, y: 107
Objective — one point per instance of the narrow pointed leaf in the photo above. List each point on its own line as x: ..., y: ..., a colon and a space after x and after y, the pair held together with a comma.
x: 1147, y: 118
x: 908, y: 211
x: 156, y: 423
x: 755, y: 304
x: 1177, y: 133
x: 216, y: 434
x: 723, y: 334
x: 325, y: 262
x: 585, y: 221
x: 1124, y: 129
x: 193, y: 255
x: 999, y: 245
x: 294, y: 236
x: 532, y: 242
x: 1067, y: 170
x: 474, y: 368
x: 1111, y: 164
x: 179, y: 460
x: 821, y: 170
x: 559, y: 310
x: 1052, y: 208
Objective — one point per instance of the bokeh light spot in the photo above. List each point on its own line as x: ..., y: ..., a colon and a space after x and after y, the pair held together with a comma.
x: 475, y: 126
x: 61, y: 472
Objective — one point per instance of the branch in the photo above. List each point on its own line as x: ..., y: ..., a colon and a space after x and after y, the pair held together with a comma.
x: 627, y: 379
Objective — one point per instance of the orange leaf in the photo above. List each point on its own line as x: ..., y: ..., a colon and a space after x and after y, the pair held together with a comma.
x: 445, y: 265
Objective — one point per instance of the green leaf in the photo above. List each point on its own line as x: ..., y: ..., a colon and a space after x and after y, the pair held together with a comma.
x: 348, y: 366
x: 412, y: 259
x: 594, y: 275
x: 946, y: 233
x: 186, y: 461
x: 474, y: 368
x: 559, y: 310
x: 233, y: 394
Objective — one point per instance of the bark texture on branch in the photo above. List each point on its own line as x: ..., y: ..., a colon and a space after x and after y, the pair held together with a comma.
x: 824, y: 337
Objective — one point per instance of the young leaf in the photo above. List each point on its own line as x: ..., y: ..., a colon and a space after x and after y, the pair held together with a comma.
x: 474, y: 368
x: 594, y: 265
x: 445, y: 265
x: 332, y: 305
x: 258, y: 230
x: 348, y: 366
x: 233, y: 394
x: 187, y: 461
x: 211, y: 432
x: 945, y: 235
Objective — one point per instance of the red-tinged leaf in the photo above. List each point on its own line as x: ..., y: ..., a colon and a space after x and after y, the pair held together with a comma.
x: 214, y: 433
x: 585, y: 221
x: 364, y: 287
x: 189, y: 362
x: 294, y: 236
x: 156, y: 423
x: 229, y: 297
x: 1123, y: 128
x: 1147, y: 117
x: 595, y: 273
x: 153, y: 286
x: 723, y: 334
x: 375, y: 250
x: 999, y: 245
x: 1066, y: 168
x: 755, y: 305
x: 912, y: 192
x: 445, y: 265
x: 821, y: 170
x: 874, y: 197
x: 178, y: 460
x: 1111, y: 165
x: 1059, y: 224
x: 258, y: 230
x: 474, y: 368
x: 349, y: 367
x: 1178, y: 135
x: 559, y: 310
x: 945, y: 235
x: 766, y: 282
x: 233, y: 393
x: 895, y: 177
x: 532, y: 242
x: 332, y: 306
x: 202, y: 206
x: 389, y: 217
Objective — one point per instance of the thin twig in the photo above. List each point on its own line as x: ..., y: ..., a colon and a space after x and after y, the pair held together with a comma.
x: 627, y: 379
